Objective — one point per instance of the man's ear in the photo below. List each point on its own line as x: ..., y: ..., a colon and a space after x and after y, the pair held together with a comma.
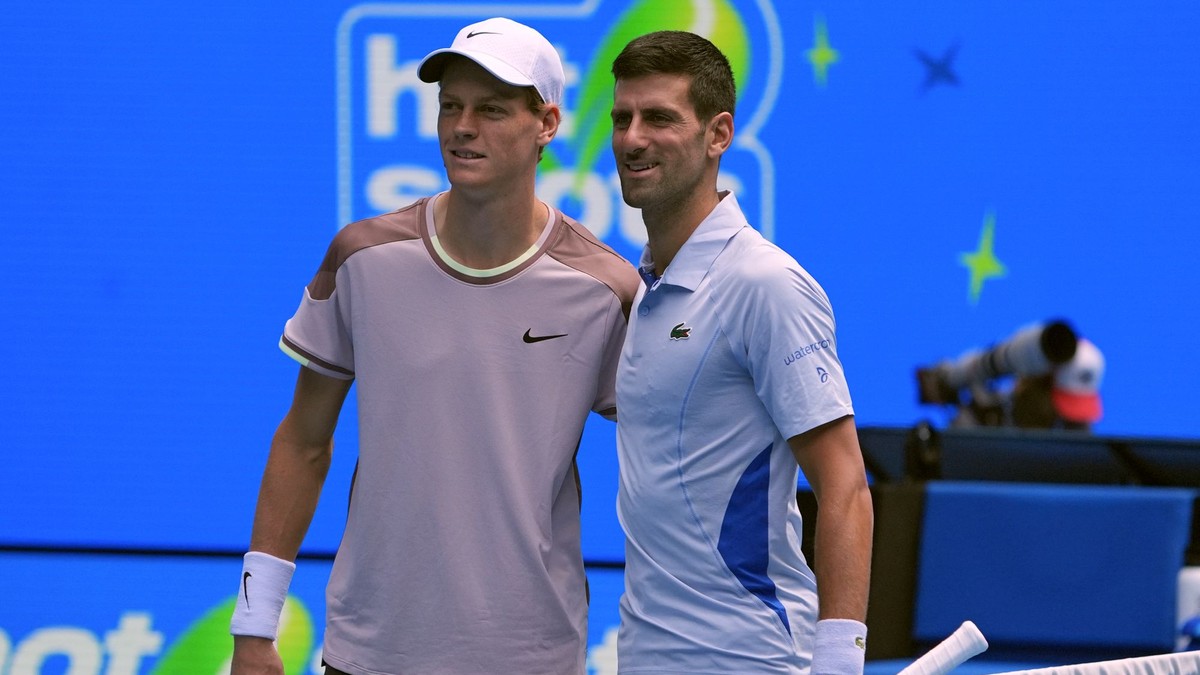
x: 720, y: 134
x: 551, y: 118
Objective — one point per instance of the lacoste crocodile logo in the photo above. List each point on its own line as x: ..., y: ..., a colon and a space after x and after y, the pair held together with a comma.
x: 680, y: 332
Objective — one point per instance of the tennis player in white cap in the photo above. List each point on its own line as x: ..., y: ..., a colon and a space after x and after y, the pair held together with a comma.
x: 482, y: 326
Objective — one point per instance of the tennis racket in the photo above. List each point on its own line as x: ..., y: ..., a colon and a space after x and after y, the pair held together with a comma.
x: 948, y: 654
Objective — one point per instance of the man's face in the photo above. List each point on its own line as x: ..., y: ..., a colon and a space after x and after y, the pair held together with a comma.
x: 658, y: 141
x: 488, y: 135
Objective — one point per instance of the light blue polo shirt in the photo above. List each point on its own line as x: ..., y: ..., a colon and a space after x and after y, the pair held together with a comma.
x: 727, y: 356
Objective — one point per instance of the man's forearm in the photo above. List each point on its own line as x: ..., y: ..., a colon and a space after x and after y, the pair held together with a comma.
x: 843, y: 555
x: 287, y: 499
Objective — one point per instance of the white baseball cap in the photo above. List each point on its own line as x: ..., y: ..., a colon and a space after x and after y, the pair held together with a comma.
x: 513, y: 52
x: 1076, y: 391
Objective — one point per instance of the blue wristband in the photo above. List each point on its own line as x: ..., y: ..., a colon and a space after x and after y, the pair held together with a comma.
x: 840, y: 647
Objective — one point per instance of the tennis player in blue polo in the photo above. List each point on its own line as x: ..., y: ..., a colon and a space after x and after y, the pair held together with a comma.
x: 729, y: 381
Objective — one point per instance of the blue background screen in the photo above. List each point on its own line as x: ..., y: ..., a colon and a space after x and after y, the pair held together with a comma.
x: 171, y: 173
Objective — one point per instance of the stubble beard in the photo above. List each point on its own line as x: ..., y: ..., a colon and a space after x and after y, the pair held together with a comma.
x: 660, y: 199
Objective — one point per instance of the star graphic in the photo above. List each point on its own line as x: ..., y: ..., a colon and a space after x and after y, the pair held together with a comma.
x: 938, y: 70
x: 821, y: 55
x: 982, y: 262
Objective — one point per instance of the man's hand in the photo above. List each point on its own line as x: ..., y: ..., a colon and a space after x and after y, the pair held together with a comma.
x: 255, y: 656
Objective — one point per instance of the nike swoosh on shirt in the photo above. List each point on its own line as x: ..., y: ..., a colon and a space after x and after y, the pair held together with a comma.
x: 530, y: 339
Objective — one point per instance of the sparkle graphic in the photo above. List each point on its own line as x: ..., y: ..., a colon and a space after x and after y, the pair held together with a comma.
x: 821, y: 56
x: 938, y: 70
x: 982, y: 262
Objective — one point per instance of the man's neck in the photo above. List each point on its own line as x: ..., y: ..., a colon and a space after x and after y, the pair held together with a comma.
x: 668, y: 227
x: 484, y: 234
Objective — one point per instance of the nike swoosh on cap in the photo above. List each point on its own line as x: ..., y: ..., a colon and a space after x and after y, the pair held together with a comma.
x: 481, y: 32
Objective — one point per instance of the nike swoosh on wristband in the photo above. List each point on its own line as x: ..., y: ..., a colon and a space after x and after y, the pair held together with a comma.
x: 530, y: 339
x: 481, y: 32
x: 246, y: 591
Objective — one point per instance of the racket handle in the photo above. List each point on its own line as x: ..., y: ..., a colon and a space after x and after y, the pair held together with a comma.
x: 948, y: 654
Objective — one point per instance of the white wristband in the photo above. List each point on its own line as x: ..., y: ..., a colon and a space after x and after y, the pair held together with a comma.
x: 264, y: 587
x: 840, y: 647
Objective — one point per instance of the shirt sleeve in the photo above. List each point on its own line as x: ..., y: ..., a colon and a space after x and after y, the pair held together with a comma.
x: 606, y: 383
x: 318, y: 335
x: 787, y: 332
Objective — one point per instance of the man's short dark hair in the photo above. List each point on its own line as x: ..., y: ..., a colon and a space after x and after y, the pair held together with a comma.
x: 672, y: 52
